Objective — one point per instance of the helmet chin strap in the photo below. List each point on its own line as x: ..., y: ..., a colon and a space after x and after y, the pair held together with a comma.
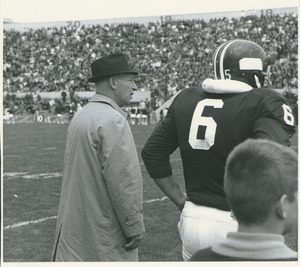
x: 258, y: 85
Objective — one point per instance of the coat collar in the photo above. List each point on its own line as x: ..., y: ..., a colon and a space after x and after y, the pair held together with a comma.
x: 109, y: 101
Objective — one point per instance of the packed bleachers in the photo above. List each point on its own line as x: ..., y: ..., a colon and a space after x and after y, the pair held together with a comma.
x: 170, y: 56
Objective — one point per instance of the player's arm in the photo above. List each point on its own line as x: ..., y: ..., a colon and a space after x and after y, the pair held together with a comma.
x: 172, y: 190
x: 276, y: 122
x: 158, y: 148
x: 156, y: 156
x: 267, y: 128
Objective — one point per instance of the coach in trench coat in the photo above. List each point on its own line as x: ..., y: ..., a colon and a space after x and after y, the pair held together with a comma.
x: 100, y: 211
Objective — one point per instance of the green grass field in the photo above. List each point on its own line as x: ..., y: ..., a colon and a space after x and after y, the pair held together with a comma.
x: 33, y: 163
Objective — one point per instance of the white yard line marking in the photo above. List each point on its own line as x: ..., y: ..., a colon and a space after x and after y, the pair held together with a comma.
x: 155, y: 200
x: 25, y: 175
x: 142, y: 163
x: 17, y: 225
x: 12, y: 174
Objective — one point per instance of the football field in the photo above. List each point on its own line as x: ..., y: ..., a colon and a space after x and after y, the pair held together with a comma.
x: 32, y: 174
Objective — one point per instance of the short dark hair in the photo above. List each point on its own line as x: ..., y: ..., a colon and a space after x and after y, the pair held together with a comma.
x: 257, y: 174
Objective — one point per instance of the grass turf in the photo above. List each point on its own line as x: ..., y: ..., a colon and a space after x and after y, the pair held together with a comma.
x: 39, y: 149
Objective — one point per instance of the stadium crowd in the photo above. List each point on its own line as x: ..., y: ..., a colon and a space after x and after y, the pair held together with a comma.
x: 170, y: 55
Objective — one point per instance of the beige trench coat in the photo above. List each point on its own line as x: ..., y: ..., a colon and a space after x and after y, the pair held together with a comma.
x: 102, y: 190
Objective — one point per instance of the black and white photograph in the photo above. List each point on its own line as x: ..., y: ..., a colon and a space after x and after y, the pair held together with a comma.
x: 161, y: 132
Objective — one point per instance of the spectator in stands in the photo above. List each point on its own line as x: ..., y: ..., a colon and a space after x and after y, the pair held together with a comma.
x: 100, y: 213
x: 39, y: 59
x: 261, y: 187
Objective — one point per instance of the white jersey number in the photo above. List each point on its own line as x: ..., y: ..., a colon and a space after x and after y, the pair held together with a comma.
x: 208, y: 122
x: 288, y: 115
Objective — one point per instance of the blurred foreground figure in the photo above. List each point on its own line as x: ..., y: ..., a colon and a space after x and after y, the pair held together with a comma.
x: 261, y: 186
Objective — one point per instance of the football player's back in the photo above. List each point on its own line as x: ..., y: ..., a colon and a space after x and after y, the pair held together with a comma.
x: 211, y: 125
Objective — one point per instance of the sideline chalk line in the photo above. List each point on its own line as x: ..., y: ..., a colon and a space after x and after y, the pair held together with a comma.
x: 17, y: 225
x: 46, y: 175
x: 26, y: 175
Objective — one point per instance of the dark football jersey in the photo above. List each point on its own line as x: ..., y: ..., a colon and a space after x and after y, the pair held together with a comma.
x: 206, y: 127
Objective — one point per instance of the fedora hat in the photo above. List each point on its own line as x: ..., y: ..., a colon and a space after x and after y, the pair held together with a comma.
x: 110, y: 65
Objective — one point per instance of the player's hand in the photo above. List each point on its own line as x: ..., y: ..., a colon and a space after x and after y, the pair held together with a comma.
x: 180, y: 204
x: 134, y: 242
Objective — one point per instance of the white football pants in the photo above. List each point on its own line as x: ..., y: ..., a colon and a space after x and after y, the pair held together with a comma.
x: 201, y: 227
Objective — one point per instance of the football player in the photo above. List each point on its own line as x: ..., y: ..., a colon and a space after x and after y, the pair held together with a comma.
x: 206, y: 124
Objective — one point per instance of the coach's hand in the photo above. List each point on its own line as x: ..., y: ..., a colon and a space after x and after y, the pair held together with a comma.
x: 134, y: 242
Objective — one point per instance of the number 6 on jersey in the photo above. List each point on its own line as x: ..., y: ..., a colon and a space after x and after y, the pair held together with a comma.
x: 208, y: 122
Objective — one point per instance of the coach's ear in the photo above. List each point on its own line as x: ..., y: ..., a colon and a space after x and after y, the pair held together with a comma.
x: 112, y: 82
